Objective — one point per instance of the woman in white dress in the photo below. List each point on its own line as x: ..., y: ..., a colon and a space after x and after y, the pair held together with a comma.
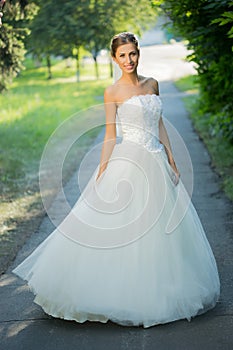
x: 132, y: 250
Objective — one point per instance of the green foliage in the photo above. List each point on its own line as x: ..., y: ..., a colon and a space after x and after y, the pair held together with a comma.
x: 111, y: 17
x: 207, y: 24
x: 63, y: 27
x: 58, y: 28
x: 225, y: 19
x: 12, y: 35
x: 220, y: 149
x: 188, y: 84
x: 30, y: 112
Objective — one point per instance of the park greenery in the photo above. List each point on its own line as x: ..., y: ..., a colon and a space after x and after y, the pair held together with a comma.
x: 42, y: 46
x: 30, y: 112
x: 62, y: 28
x: 208, y: 27
x: 47, y: 33
x: 220, y: 149
x: 57, y: 28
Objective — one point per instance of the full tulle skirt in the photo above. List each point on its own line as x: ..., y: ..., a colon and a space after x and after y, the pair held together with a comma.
x: 132, y: 250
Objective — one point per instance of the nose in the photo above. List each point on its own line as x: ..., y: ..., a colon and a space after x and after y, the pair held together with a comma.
x: 128, y: 59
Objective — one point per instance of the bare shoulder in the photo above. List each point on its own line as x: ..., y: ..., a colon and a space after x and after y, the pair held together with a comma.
x: 154, y: 85
x: 150, y: 84
x: 110, y: 93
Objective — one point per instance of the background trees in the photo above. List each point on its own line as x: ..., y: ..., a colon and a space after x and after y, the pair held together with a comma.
x: 62, y: 27
x: 208, y: 26
x: 18, y: 14
x: 115, y: 16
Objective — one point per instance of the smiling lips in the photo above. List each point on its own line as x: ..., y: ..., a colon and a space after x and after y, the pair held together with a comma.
x: 129, y: 66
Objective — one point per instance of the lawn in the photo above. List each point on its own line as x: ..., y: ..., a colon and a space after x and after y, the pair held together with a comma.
x: 219, y: 148
x: 30, y: 111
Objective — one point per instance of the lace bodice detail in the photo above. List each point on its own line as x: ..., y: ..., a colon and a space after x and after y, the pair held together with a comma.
x: 138, y: 119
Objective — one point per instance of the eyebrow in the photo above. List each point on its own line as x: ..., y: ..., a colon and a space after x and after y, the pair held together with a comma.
x: 120, y: 53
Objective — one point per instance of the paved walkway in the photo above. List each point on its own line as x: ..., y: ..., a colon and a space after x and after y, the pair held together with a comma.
x: 23, y: 325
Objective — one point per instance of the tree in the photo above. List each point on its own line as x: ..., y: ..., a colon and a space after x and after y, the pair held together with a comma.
x: 207, y: 24
x: 227, y: 19
x: 111, y: 17
x: 59, y: 29
x: 88, y: 23
x: 17, y: 16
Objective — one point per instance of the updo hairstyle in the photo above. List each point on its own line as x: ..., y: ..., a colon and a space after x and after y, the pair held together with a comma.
x: 121, y: 39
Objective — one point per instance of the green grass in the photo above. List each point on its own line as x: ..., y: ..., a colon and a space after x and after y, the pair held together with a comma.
x: 219, y: 148
x: 31, y: 110
x: 188, y: 84
x: 29, y: 113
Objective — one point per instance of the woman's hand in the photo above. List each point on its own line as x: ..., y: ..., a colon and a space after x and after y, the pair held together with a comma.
x: 164, y: 139
x: 176, y: 176
x: 98, y: 176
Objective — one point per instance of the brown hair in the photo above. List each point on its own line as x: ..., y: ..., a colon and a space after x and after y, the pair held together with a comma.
x: 121, y: 39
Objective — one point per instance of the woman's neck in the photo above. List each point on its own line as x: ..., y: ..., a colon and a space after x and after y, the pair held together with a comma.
x: 130, y: 79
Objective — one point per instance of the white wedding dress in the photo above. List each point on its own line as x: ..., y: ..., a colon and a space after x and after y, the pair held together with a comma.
x: 132, y: 250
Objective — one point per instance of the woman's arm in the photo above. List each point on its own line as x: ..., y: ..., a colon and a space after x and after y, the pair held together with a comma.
x: 164, y: 139
x: 110, y: 131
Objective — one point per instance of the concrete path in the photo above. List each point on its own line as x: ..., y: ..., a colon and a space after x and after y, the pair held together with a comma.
x: 23, y: 325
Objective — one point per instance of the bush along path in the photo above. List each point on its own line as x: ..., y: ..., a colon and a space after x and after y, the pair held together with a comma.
x: 219, y: 147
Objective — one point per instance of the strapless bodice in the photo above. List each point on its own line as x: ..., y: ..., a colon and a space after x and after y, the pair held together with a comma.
x: 139, y: 120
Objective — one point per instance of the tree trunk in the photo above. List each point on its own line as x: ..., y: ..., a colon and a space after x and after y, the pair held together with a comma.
x: 77, y: 66
x: 111, y: 68
x: 48, y: 61
x: 96, y: 67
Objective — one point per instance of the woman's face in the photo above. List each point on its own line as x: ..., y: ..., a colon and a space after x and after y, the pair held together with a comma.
x: 127, y: 57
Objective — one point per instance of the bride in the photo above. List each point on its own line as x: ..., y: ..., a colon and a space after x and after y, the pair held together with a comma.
x: 132, y: 250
